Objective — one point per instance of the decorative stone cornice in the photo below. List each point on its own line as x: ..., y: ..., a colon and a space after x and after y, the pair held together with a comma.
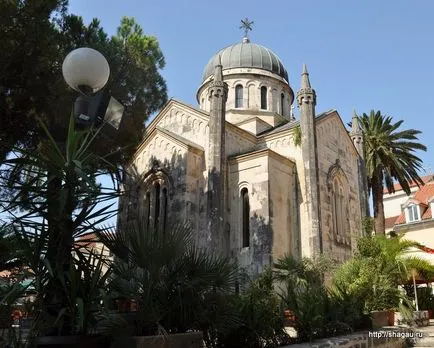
x: 261, y: 153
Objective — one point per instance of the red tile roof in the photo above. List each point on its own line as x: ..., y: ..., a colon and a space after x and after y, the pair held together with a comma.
x: 427, y: 214
x: 425, y: 179
x: 400, y: 219
x: 390, y: 221
x: 424, y: 195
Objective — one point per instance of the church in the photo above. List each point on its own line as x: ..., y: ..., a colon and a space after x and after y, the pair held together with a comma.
x: 254, y: 182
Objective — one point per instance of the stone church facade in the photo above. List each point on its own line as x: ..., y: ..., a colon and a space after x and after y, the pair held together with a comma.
x: 254, y: 182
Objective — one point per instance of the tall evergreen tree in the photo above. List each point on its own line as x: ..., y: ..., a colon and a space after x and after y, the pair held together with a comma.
x: 36, y: 37
x: 389, y: 157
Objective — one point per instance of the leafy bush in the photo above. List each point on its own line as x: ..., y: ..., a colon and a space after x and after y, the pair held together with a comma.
x: 373, y: 275
x: 259, y: 318
x: 317, y: 312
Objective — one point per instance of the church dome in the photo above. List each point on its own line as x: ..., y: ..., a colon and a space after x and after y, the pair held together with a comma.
x: 246, y: 55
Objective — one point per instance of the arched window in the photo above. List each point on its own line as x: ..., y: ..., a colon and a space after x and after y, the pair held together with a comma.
x: 282, y: 103
x: 148, y: 210
x: 164, y: 209
x: 336, y: 207
x: 157, y: 206
x: 340, y: 225
x: 343, y: 216
x: 264, y: 98
x: 239, y: 96
x: 245, y: 215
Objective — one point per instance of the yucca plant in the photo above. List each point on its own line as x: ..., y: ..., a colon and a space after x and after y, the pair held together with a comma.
x: 53, y: 198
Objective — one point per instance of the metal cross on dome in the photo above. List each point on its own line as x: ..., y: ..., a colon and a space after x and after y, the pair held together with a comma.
x: 246, y: 25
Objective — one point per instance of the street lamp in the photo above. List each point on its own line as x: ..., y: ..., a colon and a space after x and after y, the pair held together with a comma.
x: 87, y: 71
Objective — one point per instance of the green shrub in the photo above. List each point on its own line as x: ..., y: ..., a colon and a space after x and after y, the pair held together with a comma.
x: 259, y: 318
x: 317, y: 312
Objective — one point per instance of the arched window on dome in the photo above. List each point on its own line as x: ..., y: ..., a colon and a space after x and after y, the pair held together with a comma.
x: 245, y: 217
x: 264, y: 98
x: 282, y: 104
x: 239, y: 96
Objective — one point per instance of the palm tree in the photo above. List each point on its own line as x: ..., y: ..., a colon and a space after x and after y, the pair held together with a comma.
x: 389, y: 157
x: 169, y: 278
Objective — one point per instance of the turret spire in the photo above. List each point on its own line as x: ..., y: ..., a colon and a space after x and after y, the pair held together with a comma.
x: 306, y: 94
x: 356, y: 134
x: 305, y: 82
x: 355, y: 125
x: 218, y: 70
x: 306, y: 99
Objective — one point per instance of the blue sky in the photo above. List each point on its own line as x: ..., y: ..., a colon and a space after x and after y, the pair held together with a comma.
x: 361, y: 55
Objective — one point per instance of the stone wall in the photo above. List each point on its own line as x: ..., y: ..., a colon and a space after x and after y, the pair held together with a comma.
x: 178, y: 166
x: 337, y: 156
x: 283, y: 206
x: 182, y: 340
x: 357, y: 340
x: 250, y: 172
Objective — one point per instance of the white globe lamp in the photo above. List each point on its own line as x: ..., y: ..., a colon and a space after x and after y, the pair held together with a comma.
x: 85, y: 70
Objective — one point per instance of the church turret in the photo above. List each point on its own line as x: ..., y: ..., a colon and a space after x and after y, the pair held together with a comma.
x: 306, y: 99
x: 356, y: 135
x: 217, y: 92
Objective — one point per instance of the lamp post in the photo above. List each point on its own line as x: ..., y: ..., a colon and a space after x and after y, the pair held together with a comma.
x: 86, y: 71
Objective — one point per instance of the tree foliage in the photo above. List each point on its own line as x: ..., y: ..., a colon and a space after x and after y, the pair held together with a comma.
x: 36, y: 37
x: 389, y: 157
x: 379, y: 266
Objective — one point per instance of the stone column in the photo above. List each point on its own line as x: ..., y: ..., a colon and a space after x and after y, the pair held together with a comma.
x: 306, y: 98
x: 358, y: 140
x: 216, y: 163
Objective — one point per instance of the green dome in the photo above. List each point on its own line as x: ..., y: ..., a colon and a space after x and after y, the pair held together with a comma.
x: 246, y: 55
